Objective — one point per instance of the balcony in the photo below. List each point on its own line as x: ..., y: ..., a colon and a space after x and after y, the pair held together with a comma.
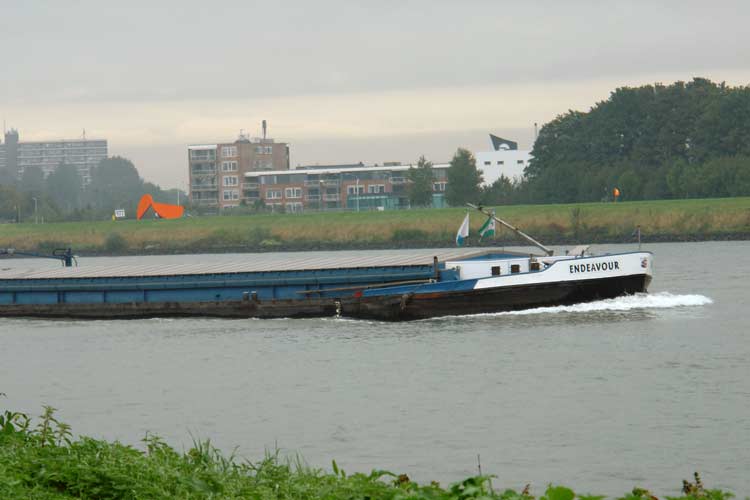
x: 331, y: 197
x: 203, y: 187
x: 312, y: 197
x: 324, y: 183
x: 251, y: 185
x: 201, y: 156
x: 399, y: 180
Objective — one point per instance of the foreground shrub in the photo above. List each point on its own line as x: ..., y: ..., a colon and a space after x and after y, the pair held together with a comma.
x: 42, y: 462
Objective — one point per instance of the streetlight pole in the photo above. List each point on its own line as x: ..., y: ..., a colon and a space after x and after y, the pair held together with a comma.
x: 320, y: 192
x: 356, y: 189
x: 36, y: 217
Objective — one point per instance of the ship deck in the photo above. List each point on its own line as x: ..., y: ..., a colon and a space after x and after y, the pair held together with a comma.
x: 253, y: 263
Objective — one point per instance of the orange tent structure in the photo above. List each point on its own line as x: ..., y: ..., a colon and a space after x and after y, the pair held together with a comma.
x: 162, y: 210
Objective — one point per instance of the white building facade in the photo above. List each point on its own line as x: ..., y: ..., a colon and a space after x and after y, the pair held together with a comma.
x: 509, y: 163
x: 505, y: 159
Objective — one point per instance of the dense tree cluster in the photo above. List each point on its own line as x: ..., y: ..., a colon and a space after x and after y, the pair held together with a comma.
x: 115, y: 184
x: 655, y: 141
x: 464, y: 179
x: 420, y: 183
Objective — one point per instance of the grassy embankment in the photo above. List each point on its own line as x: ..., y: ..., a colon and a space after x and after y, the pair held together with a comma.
x: 43, y: 462
x: 672, y: 220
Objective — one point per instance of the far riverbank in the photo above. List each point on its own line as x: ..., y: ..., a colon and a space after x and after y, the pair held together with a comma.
x: 660, y: 221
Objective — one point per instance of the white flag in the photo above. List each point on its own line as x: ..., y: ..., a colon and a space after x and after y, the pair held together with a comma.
x: 463, y: 231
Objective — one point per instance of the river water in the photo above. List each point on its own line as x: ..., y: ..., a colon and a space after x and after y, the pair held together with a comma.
x: 602, y: 397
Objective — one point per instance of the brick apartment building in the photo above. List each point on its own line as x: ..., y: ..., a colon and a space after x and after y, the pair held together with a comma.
x: 351, y: 187
x: 217, y: 170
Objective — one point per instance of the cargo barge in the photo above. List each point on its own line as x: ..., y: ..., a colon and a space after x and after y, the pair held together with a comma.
x: 383, y: 285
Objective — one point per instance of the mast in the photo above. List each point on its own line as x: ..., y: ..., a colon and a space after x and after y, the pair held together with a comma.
x: 520, y: 233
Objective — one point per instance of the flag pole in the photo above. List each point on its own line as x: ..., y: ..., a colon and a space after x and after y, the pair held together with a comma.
x: 639, y: 237
x: 520, y: 233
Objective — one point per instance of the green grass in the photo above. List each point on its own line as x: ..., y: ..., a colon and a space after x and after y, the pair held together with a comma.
x: 587, y: 222
x: 42, y: 462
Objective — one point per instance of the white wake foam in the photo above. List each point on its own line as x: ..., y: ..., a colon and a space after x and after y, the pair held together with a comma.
x: 661, y: 300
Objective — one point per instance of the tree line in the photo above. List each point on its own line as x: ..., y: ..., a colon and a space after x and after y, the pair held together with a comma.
x: 684, y: 140
x: 61, y: 195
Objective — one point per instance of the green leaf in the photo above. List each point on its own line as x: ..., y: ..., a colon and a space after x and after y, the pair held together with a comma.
x: 559, y: 493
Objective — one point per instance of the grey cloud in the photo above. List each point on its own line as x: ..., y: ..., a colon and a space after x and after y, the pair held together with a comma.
x: 187, y: 50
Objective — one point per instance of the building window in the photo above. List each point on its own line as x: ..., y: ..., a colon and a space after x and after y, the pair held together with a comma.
x: 376, y: 188
x: 263, y: 165
x: 263, y: 150
x: 231, y: 180
x: 293, y: 192
x: 439, y: 186
x: 356, y: 189
x: 273, y: 194
x: 293, y: 207
x: 488, y: 163
x: 229, y: 166
x: 228, y: 151
x: 230, y: 194
x: 520, y: 162
x: 500, y: 162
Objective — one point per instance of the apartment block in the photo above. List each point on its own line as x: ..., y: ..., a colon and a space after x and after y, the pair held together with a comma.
x: 351, y: 187
x: 84, y: 154
x: 217, y: 170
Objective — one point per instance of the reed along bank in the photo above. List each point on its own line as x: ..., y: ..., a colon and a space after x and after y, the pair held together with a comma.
x: 666, y: 220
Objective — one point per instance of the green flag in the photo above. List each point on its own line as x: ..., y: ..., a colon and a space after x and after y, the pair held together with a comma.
x: 488, y: 228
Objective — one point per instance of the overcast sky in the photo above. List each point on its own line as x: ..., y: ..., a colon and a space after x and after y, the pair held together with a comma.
x: 341, y: 81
